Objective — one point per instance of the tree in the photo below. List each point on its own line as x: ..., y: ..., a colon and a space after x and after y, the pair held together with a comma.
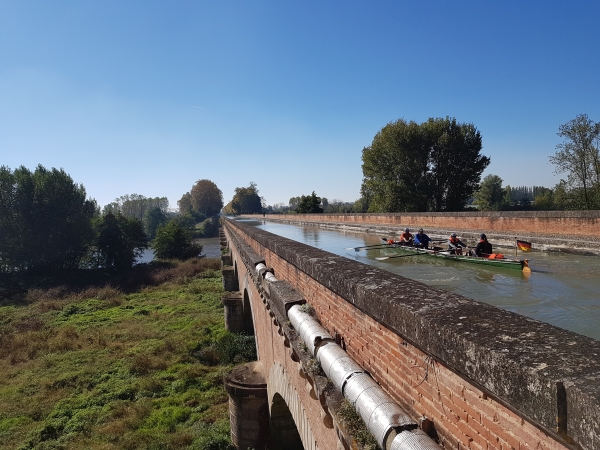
x: 174, y: 242
x: 185, y: 203
x: 206, y: 198
x: 395, y: 167
x: 154, y: 218
x: 309, y: 204
x: 136, y: 205
x: 490, y: 196
x: 579, y: 156
x: 433, y: 166
x: 246, y: 200
x: 45, y: 220
x: 121, y: 240
x: 294, y: 202
x: 455, y: 163
x: 544, y: 200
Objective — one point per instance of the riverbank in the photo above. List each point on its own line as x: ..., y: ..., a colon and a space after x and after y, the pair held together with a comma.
x: 555, y: 239
x: 133, y: 364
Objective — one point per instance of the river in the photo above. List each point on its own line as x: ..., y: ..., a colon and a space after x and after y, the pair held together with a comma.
x: 563, y: 289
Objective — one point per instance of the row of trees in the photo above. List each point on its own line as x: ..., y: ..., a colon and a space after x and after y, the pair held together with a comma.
x: 47, y: 224
x: 152, y: 212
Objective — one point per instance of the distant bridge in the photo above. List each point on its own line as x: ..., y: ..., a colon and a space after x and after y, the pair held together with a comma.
x: 424, y: 368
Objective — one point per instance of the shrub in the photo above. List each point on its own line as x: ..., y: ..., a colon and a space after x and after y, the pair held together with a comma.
x: 174, y: 242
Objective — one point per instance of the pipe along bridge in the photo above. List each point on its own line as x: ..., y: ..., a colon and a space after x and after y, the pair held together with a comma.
x: 423, y: 368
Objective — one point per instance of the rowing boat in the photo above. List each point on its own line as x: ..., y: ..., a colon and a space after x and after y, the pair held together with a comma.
x: 509, y: 263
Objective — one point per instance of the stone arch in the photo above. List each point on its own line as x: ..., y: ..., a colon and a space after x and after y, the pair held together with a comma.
x: 288, y: 417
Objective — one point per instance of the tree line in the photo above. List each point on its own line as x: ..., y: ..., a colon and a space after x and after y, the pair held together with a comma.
x: 47, y: 224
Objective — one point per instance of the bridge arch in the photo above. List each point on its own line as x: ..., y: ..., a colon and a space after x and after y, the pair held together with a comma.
x: 289, y: 422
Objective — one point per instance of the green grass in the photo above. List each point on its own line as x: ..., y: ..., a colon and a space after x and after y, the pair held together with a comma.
x: 136, y: 366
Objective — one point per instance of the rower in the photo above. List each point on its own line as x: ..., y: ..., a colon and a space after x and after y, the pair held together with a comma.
x: 406, y: 238
x: 421, y: 239
x: 484, y: 248
x: 455, y: 245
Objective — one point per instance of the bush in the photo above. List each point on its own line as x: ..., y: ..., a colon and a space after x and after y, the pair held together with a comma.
x: 174, y: 242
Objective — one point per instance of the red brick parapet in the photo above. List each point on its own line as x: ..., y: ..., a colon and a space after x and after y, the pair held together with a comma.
x: 552, y: 223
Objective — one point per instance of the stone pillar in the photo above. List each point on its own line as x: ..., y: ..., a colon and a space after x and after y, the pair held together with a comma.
x: 234, y: 312
x: 248, y: 406
x: 226, y: 260
x: 230, y: 283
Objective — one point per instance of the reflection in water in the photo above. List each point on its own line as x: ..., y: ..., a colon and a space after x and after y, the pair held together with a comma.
x: 311, y: 236
x: 562, y: 290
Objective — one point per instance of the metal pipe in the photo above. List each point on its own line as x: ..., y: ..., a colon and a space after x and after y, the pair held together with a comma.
x: 384, y: 418
x: 389, y: 424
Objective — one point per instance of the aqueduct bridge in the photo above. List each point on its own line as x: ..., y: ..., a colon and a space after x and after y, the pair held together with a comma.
x: 422, y: 367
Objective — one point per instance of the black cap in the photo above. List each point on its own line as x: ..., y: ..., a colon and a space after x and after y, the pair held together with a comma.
x: 482, y: 236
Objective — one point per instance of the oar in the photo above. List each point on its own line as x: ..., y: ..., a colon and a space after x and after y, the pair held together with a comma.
x: 367, y: 246
x: 382, y: 258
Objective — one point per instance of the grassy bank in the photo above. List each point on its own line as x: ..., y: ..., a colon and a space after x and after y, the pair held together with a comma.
x: 127, y: 363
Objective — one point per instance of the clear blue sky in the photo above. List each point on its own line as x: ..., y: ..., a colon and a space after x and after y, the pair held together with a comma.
x: 147, y: 97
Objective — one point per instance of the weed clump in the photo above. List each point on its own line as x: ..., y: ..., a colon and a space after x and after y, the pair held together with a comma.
x: 229, y: 348
x: 356, y: 426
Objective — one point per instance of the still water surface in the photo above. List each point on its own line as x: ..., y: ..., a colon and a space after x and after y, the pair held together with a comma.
x: 563, y: 289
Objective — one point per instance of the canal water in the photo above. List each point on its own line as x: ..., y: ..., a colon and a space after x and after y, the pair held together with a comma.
x: 563, y: 289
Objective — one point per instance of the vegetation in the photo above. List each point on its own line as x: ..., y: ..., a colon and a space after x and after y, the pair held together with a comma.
x: 134, y: 361
x: 309, y: 204
x: 206, y: 198
x: 45, y: 220
x: 154, y: 218
x: 245, y: 201
x: 174, y: 242
x: 136, y: 205
x: 579, y: 157
x: 433, y: 166
x: 491, y: 196
x: 120, y: 241
x: 356, y: 426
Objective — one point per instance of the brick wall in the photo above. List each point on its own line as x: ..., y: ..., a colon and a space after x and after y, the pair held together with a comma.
x: 474, y: 370
x: 275, y: 357
x: 567, y: 223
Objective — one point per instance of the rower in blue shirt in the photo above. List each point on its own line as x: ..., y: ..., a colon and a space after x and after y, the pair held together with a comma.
x: 421, y: 240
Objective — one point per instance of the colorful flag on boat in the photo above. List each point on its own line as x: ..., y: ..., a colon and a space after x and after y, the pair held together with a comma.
x: 524, y: 246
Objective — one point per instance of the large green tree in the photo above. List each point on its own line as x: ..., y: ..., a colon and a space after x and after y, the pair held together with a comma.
x: 433, y: 166
x: 579, y: 157
x: 45, y: 220
x: 121, y: 240
x: 491, y: 196
x: 246, y: 200
x: 309, y: 204
x: 206, y: 198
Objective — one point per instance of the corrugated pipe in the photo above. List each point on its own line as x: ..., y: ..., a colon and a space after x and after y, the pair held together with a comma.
x: 389, y: 424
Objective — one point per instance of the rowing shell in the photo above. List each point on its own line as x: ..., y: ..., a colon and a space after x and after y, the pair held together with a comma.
x: 509, y: 263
